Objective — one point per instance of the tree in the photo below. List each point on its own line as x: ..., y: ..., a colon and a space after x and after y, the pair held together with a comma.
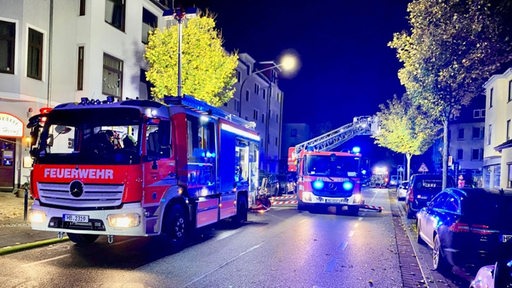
x: 403, y: 128
x: 208, y: 71
x: 452, y: 49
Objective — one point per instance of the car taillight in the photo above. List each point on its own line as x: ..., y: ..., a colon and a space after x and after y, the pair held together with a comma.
x: 411, y: 196
x: 473, y: 228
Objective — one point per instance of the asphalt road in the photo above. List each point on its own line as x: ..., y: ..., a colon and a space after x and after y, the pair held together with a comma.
x: 280, y: 248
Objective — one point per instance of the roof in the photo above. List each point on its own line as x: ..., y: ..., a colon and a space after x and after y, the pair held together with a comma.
x: 504, y: 145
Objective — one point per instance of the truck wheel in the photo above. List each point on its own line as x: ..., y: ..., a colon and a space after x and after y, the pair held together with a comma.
x: 241, y: 210
x: 82, y: 239
x: 353, y: 210
x: 175, y: 228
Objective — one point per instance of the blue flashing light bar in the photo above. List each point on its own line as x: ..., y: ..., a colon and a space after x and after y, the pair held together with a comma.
x: 240, y: 132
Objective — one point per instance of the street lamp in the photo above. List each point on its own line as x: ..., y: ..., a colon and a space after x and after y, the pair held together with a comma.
x: 179, y: 15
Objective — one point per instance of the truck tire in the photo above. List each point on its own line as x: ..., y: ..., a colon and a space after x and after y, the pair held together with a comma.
x: 82, y: 239
x: 241, y: 210
x: 175, y: 228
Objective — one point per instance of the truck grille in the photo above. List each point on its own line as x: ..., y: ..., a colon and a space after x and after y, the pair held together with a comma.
x: 333, y: 190
x: 92, y: 195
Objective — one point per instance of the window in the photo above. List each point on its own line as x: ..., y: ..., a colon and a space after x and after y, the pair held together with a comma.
x: 112, y: 76
x: 477, y: 133
x: 264, y: 93
x: 490, y: 97
x: 149, y: 23
x: 80, y: 68
x: 509, y: 90
x: 236, y: 105
x: 7, y: 41
x: 508, y: 129
x: 460, y: 134
x: 509, y: 180
x: 114, y: 13
x: 275, y: 142
x: 489, y: 132
x: 475, y: 154
x: 479, y: 113
x: 255, y: 115
x: 256, y: 88
x: 262, y: 117
x: 246, y: 96
x: 35, y: 54
x: 277, y: 118
x: 82, y: 8
x: 460, y: 154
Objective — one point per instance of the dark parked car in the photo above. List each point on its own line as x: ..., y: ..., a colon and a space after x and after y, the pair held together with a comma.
x: 466, y: 227
x: 422, y: 188
x: 270, y: 183
x: 401, y: 190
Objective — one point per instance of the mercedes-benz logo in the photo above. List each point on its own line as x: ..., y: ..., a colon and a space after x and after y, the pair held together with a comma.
x: 76, y: 188
x: 332, y: 187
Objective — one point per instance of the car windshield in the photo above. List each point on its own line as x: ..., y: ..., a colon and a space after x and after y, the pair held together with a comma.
x: 332, y: 165
x: 90, y: 136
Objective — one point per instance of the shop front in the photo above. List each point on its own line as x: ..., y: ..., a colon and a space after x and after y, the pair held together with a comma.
x: 11, y: 132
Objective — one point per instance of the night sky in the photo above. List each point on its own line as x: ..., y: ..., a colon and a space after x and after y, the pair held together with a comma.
x: 347, y: 68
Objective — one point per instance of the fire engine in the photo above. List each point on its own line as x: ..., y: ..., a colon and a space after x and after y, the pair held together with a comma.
x: 327, y: 178
x: 140, y: 168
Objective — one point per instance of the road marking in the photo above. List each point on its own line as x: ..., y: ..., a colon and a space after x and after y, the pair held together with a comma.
x: 46, y: 260
x: 226, y: 234
x: 223, y: 264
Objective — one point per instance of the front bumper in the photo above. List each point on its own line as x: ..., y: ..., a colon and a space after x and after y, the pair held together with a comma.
x: 52, y: 219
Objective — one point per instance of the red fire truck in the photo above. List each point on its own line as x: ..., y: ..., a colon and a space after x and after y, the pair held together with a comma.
x: 140, y: 168
x: 327, y: 178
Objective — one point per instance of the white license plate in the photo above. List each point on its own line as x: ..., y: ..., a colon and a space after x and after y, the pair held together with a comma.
x: 76, y: 218
x: 336, y: 201
x: 505, y: 238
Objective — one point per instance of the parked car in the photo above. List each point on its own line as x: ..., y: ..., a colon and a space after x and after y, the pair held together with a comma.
x: 465, y: 227
x: 286, y: 183
x: 401, y: 190
x: 270, y: 183
x: 497, y: 275
x: 422, y: 188
x: 394, y: 180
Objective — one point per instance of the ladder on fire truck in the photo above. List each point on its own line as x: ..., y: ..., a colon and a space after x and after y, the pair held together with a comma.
x: 362, y: 125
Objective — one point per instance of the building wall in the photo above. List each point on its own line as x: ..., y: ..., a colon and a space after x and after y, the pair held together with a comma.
x: 259, y: 108
x: 498, y: 111
x: 64, y: 30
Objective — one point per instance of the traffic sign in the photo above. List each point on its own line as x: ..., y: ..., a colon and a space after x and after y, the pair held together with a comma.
x: 423, y: 168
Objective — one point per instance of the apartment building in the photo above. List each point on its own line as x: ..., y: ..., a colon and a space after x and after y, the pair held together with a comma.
x: 497, y: 166
x: 55, y: 51
x: 257, y: 98
x: 466, y: 141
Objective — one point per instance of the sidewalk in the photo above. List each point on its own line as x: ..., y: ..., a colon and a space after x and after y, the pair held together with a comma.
x: 15, y: 233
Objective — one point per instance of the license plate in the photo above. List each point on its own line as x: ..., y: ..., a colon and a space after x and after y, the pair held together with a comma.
x: 336, y: 201
x: 76, y: 218
x: 505, y: 238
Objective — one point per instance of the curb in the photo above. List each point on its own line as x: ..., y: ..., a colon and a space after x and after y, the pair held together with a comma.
x: 26, y: 246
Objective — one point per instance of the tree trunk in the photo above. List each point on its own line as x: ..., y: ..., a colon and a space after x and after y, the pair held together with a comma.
x: 445, y: 152
x: 408, y: 156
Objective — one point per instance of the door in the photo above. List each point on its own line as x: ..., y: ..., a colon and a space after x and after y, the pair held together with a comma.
x: 7, y: 156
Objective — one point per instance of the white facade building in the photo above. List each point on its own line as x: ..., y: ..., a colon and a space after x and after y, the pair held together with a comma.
x: 55, y: 51
x: 497, y: 167
x: 58, y: 51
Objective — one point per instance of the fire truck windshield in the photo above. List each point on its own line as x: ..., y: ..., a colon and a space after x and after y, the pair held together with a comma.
x: 90, y: 136
x: 331, y: 165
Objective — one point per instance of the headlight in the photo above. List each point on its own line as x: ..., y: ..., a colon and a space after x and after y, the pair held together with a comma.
x: 123, y: 220
x: 37, y: 216
x: 358, y: 198
x: 307, y: 196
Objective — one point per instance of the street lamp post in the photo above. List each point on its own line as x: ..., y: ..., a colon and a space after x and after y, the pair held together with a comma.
x: 179, y: 15
x: 288, y: 64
